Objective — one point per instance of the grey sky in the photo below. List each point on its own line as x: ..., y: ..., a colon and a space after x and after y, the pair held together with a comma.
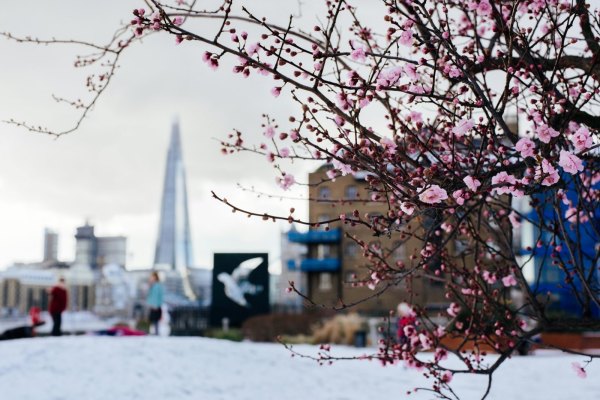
x: 111, y: 170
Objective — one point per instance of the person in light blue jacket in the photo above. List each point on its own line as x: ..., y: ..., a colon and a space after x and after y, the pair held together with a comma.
x: 155, y: 301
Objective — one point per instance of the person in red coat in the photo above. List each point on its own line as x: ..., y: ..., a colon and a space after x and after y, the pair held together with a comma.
x: 58, y: 304
x: 406, y: 317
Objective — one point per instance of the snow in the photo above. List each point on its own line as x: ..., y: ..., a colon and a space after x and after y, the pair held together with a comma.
x: 80, y: 321
x: 126, y: 368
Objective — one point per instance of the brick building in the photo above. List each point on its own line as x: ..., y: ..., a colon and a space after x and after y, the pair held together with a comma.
x: 335, y: 264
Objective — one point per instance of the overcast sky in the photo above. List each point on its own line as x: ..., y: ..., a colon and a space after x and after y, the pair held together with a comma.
x: 111, y: 170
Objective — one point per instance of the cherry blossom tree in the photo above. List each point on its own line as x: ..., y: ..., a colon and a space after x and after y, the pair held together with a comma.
x: 424, y: 102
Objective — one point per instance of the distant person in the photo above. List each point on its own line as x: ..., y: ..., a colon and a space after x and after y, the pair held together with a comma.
x: 406, y: 317
x: 58, y: 304
x: 155, y: 301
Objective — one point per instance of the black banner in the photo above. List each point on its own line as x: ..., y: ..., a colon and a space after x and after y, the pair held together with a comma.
x: 240, y: 287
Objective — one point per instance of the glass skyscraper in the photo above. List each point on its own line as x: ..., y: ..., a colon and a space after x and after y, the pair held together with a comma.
x: 174, y: 244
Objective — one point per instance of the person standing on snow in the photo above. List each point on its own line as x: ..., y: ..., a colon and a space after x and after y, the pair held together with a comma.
x: 406, y: 317
x: 58, y: 304
x: 155, y: 301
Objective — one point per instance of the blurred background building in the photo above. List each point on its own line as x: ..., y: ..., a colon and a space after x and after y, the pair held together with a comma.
x: 333, y: 265
x: 174, y: 244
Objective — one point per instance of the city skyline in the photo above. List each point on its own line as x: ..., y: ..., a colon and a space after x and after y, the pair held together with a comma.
x: 110, y: 170
x: 66, y: 249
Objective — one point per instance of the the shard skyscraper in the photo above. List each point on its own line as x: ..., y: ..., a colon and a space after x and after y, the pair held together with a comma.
x: 174, y: 244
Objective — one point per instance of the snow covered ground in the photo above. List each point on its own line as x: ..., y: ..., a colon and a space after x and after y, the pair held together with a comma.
x: 148, y: 368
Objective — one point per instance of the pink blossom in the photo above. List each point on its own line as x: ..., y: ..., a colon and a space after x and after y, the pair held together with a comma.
x: 546, y: 133
x: 411, y: 71
x: 439, y: 332
x: 178, y: 39
x: 447, y: 227
x: 358, y: 54
x: 432, y: 195
x: 463, y: 127
x: 344, y: 169
x: 331, y: 174
x: 453, y: 310
x: 269, y: 132
x: 509, y: 281
x: 570, y: 212
x: 363, y: 102
x: 459, y: 197
x: 574, y: 91
x: 514, y: 219
x: 471, y: 183
x: 388, y: 144
x: 286, y: 182
x: 579, y: 370
x: 454, y: 72
x: 409, y: 331
x: 294, y: 135
x: 406, y: 39
x: 484, y: 8
x: 489, y: 277
x: 416, y: 117
x: 505, y: 180
x: 213, y: 63
x: 447, y: 377
x: 425, y: 341
x: 344, y: 102
x: 407, y: 208
x: 570, y: 163
x: 548, y: 172
x: 418, y: 89
x: 276, y: 91
x: 526, y: 147
x: 581, y: 139
x: 573, y: 126
x: 440, y: 354
x: 252, y: 49
x: 284, y: 152
x: 178, y: 20
x: 388, y: 77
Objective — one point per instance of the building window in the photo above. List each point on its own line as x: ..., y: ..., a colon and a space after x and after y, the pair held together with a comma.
x: 460, y: 247
x: 351, y: 277
x: 324, y: 193
x: 351, y: 249
x: 321, y: 219
x: 325, y: 281
x: 398, y: 251
x: 323, y: 251
x: 375, y: 247
x: 351, y: 192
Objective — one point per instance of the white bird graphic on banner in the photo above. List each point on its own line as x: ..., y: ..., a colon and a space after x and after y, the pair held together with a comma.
x: 237, y: 285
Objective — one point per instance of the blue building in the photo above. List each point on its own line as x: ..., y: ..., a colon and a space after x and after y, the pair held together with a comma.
x: 564, y: 288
